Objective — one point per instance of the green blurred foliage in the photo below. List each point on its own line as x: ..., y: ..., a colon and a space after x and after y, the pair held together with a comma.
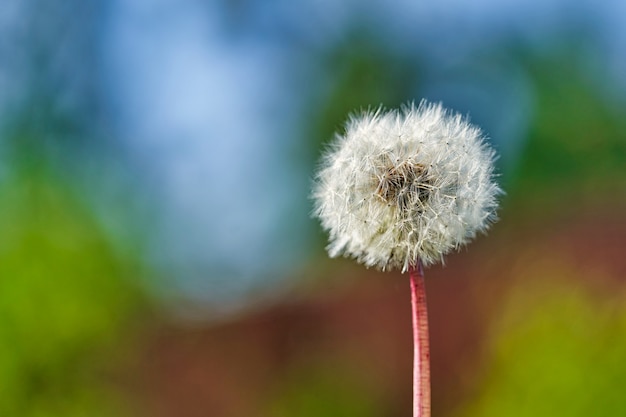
x: 576, y: 146
x: 323, y: 388
x: 65, y: 299
x: 557, y: 350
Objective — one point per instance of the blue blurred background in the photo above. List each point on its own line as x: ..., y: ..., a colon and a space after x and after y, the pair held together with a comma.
x: 157, y: 257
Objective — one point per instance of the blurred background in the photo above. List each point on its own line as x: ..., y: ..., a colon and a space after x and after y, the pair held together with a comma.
x: 157, y: 257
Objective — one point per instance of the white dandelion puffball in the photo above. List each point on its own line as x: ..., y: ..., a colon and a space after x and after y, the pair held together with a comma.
x: 405, y: 186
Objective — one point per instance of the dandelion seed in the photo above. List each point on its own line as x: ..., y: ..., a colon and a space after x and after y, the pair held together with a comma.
x: 401, y: 189
x: 424, y: 173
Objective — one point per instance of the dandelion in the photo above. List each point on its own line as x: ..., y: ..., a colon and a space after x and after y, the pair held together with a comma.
x: 401, y: 189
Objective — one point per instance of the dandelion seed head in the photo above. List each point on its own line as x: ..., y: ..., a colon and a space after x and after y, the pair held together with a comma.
x: 405, y: 185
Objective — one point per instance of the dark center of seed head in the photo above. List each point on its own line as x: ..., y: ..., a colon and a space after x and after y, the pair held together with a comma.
x: 406, y: 185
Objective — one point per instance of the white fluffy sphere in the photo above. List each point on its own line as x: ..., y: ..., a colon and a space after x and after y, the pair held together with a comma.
x: 405, y: 186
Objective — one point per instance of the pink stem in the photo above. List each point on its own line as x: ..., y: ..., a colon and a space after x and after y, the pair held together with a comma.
x: 421, y: 350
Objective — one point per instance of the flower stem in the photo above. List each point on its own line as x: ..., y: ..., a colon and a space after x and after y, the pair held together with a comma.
x: 421, y: 350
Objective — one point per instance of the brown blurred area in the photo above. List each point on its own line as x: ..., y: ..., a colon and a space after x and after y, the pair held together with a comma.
x: 359, y: 334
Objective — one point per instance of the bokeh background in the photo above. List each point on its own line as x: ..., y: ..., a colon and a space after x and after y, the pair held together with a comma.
x: 157, y: 257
